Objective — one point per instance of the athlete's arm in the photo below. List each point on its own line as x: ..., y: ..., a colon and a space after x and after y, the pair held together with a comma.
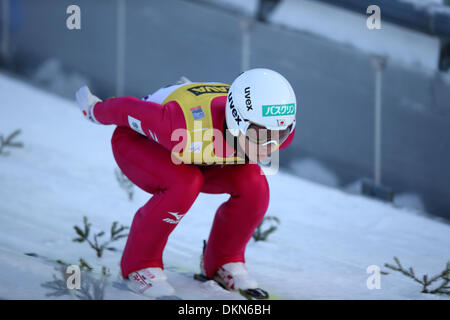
x: 148, y: 118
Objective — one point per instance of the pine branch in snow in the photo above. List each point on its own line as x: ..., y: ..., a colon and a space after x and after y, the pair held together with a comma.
x: 85, y: 266
x: 262, y: 235
x: 425, y: 280
x: 91, y: 287
x: 8, y: 142
x: 116, y: 233
x: 125, y: 183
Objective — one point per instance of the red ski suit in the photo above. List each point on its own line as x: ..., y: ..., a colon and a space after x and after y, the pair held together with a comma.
x: 146, y: 161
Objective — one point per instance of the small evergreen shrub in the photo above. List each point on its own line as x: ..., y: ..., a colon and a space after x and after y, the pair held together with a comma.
x: 7, y: 142
x: 125, y: 183
x: 262, y: 235
x: 440, y: 282
x: 116, y: 233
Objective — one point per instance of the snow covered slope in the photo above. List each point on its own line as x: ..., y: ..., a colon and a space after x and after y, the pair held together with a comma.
x: 321, y: 250
x: 400, y: 44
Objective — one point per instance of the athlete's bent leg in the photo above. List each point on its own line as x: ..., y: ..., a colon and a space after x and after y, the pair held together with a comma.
x: 174, y: 187
x: 236, y: 219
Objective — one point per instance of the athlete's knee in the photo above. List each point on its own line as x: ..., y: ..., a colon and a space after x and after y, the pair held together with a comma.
x: 185, y: 188
x: 118, y: 146
x: 120, y: 141
x: 117, y: 134
x: 253, y: 187
x: 193, y: 182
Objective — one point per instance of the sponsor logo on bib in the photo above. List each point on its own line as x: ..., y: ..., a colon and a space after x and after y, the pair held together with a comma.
x: 209, y: 89
x: 197, y: 113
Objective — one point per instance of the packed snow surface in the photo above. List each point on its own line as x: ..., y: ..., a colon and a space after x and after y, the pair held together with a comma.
x: 322, y: 248
x: 400, y: 44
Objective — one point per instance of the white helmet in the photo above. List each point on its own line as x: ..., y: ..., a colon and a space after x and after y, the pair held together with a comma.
x: 262, y: 97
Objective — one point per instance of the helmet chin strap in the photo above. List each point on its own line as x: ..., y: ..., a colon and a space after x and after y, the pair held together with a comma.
x: 274, y: 142
x: 227, y: 133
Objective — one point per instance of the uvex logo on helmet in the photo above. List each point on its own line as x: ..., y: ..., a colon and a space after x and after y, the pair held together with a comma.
x: 233, y: 109
x: 248, y: 101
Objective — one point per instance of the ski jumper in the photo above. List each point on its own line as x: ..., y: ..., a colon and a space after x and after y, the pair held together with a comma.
x: 145, y: 152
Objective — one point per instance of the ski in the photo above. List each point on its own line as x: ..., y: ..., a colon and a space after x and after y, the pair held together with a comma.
x: 249, y: 294
x: 254, y: 294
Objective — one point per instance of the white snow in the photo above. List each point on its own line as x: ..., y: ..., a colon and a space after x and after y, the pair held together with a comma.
x: 410, y: 200
x: 314, y: 170
x: 321, y: 250
x: 248, y: 7
x: 423, y: 3
x: 50, y: 75
x: 395, y: 42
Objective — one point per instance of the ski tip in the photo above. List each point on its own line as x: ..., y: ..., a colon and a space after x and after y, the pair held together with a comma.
x: 255, y: 294
x: 172, y: 297
x: 201, y: 277
x: 249, y: 294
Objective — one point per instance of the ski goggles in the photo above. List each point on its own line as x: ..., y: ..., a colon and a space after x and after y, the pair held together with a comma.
x: 262, y: 136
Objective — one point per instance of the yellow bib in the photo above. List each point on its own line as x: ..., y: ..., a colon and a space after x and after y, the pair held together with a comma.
x: 195, y: 102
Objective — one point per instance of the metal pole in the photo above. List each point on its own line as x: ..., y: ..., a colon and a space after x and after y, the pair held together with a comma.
x: 121, y: 34
x: 378, y: 64
x: 245, y: 52
x: 5, y: 31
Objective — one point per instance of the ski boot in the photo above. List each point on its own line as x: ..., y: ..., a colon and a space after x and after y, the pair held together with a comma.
x: 233, y: 276
x: 150, y: 282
